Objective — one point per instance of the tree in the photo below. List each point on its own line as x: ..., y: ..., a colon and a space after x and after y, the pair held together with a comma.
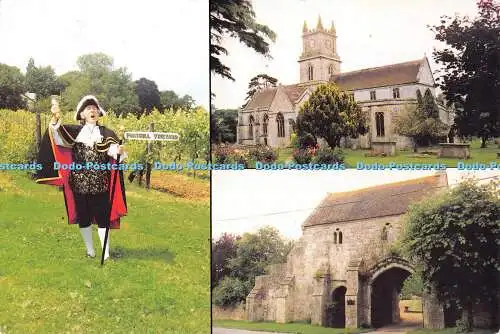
x: 235, y: 19
x: 148, y: 94
x: 42, y: 81
x: 113, y: 87
x: 170, y: 100
x: 223, y: 125
x: 258, y: 83
x: 471, y: 69
x: 420, y: 123
x: 429, y: 105
x: 230, y: 291
x: 256, y: 251
x: 330, y: 114
x: 222, y: 250
x: 455, y: 237
x: 186, y: 102
x: 11, y: 87
x: 95, y: 65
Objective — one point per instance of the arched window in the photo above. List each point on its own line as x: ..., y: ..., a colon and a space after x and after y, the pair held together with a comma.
x: 385, y: 232
x: 330, y: 69
x: 280, y: 120
x: 264, y: 124
x: 250, y: 127
x: 310, y: 72
x: 379, y: 123
x: 337, y: 237
x: 395, y: 93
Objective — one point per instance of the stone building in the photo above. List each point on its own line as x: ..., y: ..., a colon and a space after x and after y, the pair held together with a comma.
x: 382, y: 92
x: 344, y: 271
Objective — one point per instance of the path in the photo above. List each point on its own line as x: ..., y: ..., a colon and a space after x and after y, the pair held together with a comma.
x: 396, y: 329
x: 218, y: 330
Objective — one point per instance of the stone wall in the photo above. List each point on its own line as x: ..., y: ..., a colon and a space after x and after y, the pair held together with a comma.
x: 316, y: 255
x: 229, y: 313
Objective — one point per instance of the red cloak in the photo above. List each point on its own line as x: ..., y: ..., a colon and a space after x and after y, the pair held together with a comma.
x: 50, y: 153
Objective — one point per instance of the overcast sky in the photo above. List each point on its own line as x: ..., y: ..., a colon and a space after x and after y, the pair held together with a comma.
x: 164, y: 41
x: 369, y: 34
x: 244, y: 201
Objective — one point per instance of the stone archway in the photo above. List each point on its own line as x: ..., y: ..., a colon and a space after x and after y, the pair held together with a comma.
x: 384, y: 286
x: 337, y: 313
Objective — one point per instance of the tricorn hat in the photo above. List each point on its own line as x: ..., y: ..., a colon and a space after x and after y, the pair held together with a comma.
x: 86, y: 101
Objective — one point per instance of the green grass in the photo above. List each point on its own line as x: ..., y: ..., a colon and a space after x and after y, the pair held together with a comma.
x: 352, y: 157
x: 449, y: 331
x: 301, y: 328
x: 158, y: 282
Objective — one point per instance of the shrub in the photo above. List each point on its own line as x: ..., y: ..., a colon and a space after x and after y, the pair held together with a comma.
x: 306, y: 140
x: 412, y: 286
x: 263, y: 154
x: 326, y: 155
x: 229, y: 292
x: 303, y: 156
x: 229, y: 155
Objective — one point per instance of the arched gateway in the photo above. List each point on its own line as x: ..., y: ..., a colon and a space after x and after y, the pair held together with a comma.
x: 352, y: 282
x: 384, y: 287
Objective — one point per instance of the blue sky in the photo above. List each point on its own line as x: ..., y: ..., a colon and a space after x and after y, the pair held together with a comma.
x: 164, y: 41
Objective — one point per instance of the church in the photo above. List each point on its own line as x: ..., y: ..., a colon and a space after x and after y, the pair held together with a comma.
x: 382, y: 92
x: 346, y: 269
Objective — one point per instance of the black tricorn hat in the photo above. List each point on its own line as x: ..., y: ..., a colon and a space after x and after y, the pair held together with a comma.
x: 87, y: 101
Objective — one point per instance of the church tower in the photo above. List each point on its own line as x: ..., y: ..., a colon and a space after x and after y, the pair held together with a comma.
x: 319, y: 58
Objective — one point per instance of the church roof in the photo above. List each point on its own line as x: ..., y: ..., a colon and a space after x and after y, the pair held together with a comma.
x: 395, y: 74
x: 294, y: 91
x: 264, y: 98
x: 379, y: 201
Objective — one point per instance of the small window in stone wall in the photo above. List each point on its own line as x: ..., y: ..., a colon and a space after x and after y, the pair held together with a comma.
x: 385, y: 231
x: 395, y: 93
x: 337, y: 237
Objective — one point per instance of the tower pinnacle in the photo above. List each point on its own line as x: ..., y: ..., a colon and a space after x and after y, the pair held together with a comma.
x: 319, y: 26
x: 332, y: 28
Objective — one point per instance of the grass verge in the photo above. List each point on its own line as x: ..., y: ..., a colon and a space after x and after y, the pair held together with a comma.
x: 301, y: 328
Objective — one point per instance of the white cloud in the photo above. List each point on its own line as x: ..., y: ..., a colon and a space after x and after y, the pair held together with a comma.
x: 164, y: 41
x: 370, y: 33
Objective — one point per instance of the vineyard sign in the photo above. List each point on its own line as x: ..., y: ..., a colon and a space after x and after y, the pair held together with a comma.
x: 165, y: 136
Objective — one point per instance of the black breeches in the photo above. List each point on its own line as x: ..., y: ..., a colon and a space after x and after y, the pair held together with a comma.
x: 90, y: 207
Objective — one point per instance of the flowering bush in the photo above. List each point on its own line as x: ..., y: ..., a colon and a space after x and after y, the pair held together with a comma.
x: 303, y: 156
x: 229, y: 155
x: 326, y: 155
x: 263, y: 154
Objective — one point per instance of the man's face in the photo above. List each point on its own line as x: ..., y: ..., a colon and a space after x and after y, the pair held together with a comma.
x: 90, y: 114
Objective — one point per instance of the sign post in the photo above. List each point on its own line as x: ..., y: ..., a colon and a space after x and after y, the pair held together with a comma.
x: 137, y: 135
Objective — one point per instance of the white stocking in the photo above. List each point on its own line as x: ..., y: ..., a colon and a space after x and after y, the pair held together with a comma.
x: 102, y: 235
x: 87, y: 238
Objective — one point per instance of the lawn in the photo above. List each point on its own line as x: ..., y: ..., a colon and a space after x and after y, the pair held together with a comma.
x: 452, y: 330
x: 299, y: 328
x: 352, y: 157
x: 157, y: 282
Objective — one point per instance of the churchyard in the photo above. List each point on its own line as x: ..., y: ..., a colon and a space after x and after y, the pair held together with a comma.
x: 352, y: 157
